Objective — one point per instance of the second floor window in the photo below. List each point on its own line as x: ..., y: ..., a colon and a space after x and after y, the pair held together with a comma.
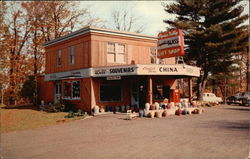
x: 71, y: 55
x: 59, y: 57
x: 116, y: 53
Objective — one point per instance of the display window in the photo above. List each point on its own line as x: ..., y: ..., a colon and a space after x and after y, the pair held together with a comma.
x: 110, y: 93
x: 71, y: 90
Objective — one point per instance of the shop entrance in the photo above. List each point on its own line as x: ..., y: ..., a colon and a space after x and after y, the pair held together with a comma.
x: 138, y: 93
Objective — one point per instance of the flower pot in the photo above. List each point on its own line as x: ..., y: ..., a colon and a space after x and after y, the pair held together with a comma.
x: 152, y: 114
x: 158, y: 114
x: 185, y: 112
x: 164, y: 114
x: 178, y: 112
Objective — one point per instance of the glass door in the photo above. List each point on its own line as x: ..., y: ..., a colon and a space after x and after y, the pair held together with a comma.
x: 58, y: 90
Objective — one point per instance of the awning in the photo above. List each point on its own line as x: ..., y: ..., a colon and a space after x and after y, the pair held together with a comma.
x: 177, y: 70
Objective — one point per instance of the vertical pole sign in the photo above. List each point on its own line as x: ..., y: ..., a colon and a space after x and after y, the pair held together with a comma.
x: 170, y: 44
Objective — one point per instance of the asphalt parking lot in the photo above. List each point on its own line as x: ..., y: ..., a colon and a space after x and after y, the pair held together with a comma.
x: 221, y: 132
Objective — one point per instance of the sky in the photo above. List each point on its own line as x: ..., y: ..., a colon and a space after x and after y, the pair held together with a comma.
x: 151, y: 13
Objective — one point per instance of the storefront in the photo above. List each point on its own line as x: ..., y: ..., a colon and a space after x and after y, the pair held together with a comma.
x: 103, y: 67
x: 121, y: 85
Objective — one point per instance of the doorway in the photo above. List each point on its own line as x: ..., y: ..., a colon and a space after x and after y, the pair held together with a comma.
x: 57, y: 92
x: 138, y: 93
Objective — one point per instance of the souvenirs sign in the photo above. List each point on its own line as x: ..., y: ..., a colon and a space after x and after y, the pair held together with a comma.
x: 170, y: 44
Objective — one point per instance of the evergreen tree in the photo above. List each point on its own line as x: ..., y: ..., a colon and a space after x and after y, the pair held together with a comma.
x: 214, y: 34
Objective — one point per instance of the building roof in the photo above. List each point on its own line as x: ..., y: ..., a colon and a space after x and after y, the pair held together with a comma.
x: 89, y: 29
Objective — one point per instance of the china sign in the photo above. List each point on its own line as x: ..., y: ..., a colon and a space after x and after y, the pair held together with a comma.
x: 170, y: 44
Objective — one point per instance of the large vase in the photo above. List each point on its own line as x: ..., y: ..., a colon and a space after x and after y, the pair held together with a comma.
x: 147, y: 106
x: 141, y: 113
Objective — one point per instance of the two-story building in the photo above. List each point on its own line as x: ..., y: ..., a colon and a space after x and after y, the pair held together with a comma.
x: 94, y: 66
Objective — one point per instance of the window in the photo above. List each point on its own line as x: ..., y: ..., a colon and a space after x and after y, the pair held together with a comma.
x: 110, y: 93
x: 67, y: 90
x: 116, y: 53
x: 71, y: 90
x: 161, y: 92
x: 71, y: 55
x: 59, y: 57
x: 120, y: 56
x: 111, y: 52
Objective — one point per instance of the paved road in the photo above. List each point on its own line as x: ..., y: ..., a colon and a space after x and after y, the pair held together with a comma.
x: 221, y: 132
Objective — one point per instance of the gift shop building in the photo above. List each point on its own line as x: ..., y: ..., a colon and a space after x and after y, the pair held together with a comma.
x: 94, y: 66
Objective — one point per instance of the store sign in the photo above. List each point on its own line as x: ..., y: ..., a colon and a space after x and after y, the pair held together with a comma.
x: 184, y: 70
x: 81, y: 73
x: 114, y: 71
x: 170, y: 44
x: 114, y: 78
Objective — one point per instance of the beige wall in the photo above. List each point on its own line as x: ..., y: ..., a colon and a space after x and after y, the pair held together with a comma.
x: 91, y: 51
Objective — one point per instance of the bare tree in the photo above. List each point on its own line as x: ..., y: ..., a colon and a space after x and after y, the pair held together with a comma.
x: 125, y: 20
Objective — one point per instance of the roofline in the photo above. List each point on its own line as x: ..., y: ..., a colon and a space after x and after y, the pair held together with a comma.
x: 89, y: 29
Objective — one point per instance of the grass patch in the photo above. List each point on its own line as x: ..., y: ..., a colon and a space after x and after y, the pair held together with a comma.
x: 24, y: 119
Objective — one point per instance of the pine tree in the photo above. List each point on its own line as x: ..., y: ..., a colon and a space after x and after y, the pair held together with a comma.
x: 214, y: 33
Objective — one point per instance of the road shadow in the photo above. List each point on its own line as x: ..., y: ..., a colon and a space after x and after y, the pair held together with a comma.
x: 240, y: 125
x: 241, y: 109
